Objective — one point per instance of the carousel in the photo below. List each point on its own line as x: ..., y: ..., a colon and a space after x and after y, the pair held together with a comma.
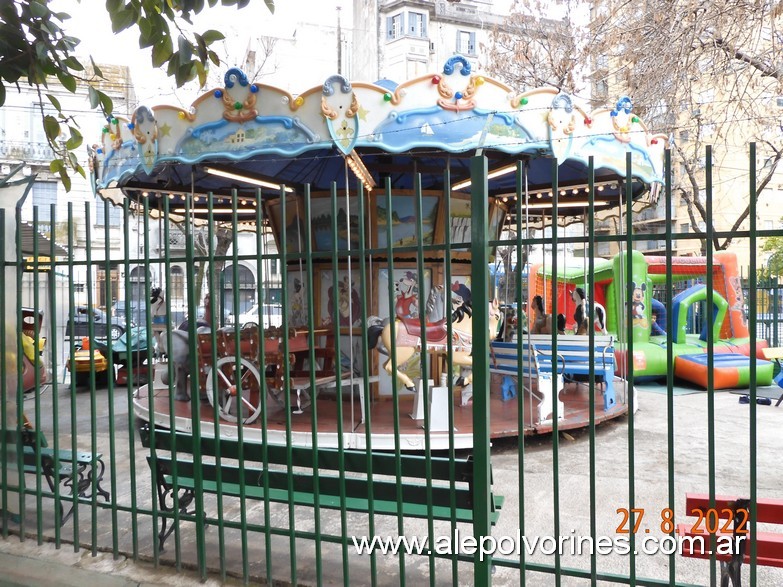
x: 366, y: 189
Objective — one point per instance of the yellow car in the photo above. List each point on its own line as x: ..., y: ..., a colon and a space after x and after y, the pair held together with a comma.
x: 85, y: 360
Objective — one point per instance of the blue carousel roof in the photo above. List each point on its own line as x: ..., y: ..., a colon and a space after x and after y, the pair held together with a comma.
x: 422, y: 126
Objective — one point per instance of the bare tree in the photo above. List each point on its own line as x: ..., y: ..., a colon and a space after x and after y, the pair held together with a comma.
x: 705, y: 73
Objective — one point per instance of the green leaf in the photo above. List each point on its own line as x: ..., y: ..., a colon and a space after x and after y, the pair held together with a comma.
x: 161, y: 53
x: 202, y: 49
x: 67, y: 80
x: 201, y: 73
x: 121, y: 20
x: 106, y: 102
x: 2, y: 94
x: 95, y: 99
x: 80, y: 170
x: 211, y: 36
x: 213, y: 57
x: 41, y: 50
x: 185, y: 50
x: 38, y: 10
x: 270, y: 4
x: 95, y: 67
x: 65, y: 178
x: 146, y: 38
x: 51, y: 127
x: 75, y: 141
x: 56, y: 165
x: 73, y: 63
x: 55, y: 102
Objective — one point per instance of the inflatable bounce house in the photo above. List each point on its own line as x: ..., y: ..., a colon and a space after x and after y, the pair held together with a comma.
x: 727, y: 322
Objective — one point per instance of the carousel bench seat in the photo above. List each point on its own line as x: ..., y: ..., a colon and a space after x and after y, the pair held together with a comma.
x: 267, y: 472
x: 575, y: 359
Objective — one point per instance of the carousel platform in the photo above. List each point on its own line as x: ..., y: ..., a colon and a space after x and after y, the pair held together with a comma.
x: 340, y: 423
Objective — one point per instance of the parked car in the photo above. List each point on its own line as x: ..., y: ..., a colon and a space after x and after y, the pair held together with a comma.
x: 138, y: 312
x: 101, y: 327
x: 272, y: 315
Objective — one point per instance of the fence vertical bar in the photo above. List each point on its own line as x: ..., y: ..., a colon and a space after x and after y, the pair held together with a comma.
x: 555, y: 424
x: 482, y: 479
x: 591, y: 399
x: 20, y: 352
x: 710, y: 282
x: 131, y: 418
x: 753, y: 432
x: 111, y: 381
x: 629, y: 355
x: 670, y: 359
x: 522, y: 191
x: 340, y: 437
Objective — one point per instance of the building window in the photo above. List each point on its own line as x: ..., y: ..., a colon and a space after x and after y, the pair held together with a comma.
x: 417, y: 25
x: 177, y: 286
x: 466, y: 43
x: 246, y: 284
x: 44, y: 195
x: 601, y: 88
x: 115, y: 213
x: 394, y: 27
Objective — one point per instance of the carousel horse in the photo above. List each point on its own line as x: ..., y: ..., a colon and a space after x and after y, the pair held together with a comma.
x: 543, y: 321
x: 408, y: 335
x: 584, y: 311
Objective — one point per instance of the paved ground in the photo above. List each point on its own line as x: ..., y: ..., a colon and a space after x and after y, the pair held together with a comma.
x: 30, y: 563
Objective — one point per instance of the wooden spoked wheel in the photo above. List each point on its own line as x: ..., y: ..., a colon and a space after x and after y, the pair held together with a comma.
x: 238, y: 391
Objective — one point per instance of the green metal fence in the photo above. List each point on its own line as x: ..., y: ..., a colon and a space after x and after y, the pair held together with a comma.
x: 281, y: 498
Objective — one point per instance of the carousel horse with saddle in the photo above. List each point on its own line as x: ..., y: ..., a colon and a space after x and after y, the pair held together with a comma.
x: 542, y: 324
x: 586, y: 312
x: 409, y: 337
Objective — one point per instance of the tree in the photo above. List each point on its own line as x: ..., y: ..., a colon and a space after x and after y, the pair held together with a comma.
x: 704, y: 73
x: 35, y: 48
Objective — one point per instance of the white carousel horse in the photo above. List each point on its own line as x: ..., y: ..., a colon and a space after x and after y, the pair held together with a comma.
x: 408, y: 339
x: 543, y: 321
x: 584, y: 311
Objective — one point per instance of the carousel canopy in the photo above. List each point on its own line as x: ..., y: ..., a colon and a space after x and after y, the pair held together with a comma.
x: 248, y: 136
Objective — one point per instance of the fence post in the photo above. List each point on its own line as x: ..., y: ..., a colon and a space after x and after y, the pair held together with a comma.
x: 480, y: 286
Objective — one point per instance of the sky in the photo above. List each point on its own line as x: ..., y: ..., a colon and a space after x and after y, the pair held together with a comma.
x: 298, y: 62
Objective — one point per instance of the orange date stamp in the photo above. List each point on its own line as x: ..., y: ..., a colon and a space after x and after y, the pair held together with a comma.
x: 712, y: 520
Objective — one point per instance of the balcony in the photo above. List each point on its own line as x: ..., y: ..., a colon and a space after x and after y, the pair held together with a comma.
x: 26, y: 151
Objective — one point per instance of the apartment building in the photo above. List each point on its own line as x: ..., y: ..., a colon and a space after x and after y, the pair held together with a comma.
x: 403, y: 39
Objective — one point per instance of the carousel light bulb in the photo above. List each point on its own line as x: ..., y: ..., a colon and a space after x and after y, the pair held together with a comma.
x: 145, y: 194
x: 600, y: 188
x: 575, y: 191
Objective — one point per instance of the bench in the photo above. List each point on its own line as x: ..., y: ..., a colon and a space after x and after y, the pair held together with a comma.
x: 575, y: 357
x: 74, y: 470
x: 731, y: 519
x: 270, y: 483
